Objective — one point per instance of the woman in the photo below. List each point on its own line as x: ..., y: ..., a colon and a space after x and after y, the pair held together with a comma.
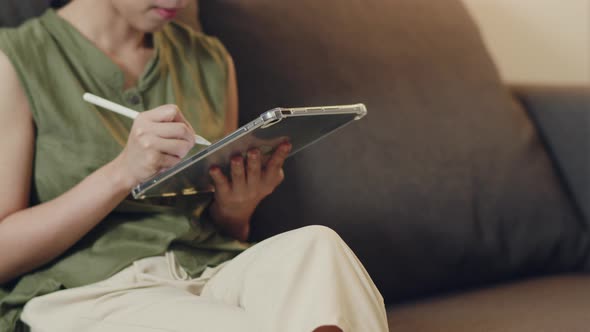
x: 83, y: 256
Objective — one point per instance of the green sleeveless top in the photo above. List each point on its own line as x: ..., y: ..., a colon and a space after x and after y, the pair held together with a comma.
x: 56, y: 65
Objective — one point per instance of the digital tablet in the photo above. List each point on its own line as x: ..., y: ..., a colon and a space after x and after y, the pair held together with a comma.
x: 299, y: 126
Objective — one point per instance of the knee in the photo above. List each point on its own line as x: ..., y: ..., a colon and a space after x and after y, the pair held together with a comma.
x: 320, y: 235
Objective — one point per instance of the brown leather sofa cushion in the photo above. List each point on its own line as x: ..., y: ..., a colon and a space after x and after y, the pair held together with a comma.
x: 562, y: 115
x: 544, y: 305
x: 445, y: 183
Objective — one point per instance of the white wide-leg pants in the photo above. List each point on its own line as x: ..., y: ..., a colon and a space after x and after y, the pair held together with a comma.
x: 293, y: 282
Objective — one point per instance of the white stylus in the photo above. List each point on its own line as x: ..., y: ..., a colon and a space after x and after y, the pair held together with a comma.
x: 125, y: 111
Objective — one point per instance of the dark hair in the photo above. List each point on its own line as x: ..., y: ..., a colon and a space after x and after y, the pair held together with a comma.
x: 58, y: 3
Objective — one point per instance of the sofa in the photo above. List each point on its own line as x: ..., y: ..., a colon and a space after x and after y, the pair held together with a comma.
x: 467, y: 200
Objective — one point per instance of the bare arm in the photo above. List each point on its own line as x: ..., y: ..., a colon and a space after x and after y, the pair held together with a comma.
x: 47, y: 229
x: 158, y: 140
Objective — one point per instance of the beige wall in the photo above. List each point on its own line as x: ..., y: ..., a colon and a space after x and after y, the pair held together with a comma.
x: 538, y: 41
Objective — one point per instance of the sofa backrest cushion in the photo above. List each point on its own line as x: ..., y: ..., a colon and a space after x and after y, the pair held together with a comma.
x: 445, y: 183
x: 562, y: 115
x: 14, y: 12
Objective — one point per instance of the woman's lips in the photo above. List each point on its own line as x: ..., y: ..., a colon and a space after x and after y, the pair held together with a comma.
x: 167, y: 14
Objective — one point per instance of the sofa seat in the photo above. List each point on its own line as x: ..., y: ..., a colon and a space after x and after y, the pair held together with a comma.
x: 550, y: 304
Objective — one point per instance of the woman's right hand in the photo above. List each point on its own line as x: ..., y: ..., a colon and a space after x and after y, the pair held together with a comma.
x: 159, y: 138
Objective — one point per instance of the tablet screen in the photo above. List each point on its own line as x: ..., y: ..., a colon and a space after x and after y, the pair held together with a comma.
x: 301, y: 127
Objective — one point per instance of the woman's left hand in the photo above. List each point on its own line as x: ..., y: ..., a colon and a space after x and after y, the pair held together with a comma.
x: 236, y: 200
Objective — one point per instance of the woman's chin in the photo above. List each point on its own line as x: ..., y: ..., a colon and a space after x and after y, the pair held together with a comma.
x: 151, y: 25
